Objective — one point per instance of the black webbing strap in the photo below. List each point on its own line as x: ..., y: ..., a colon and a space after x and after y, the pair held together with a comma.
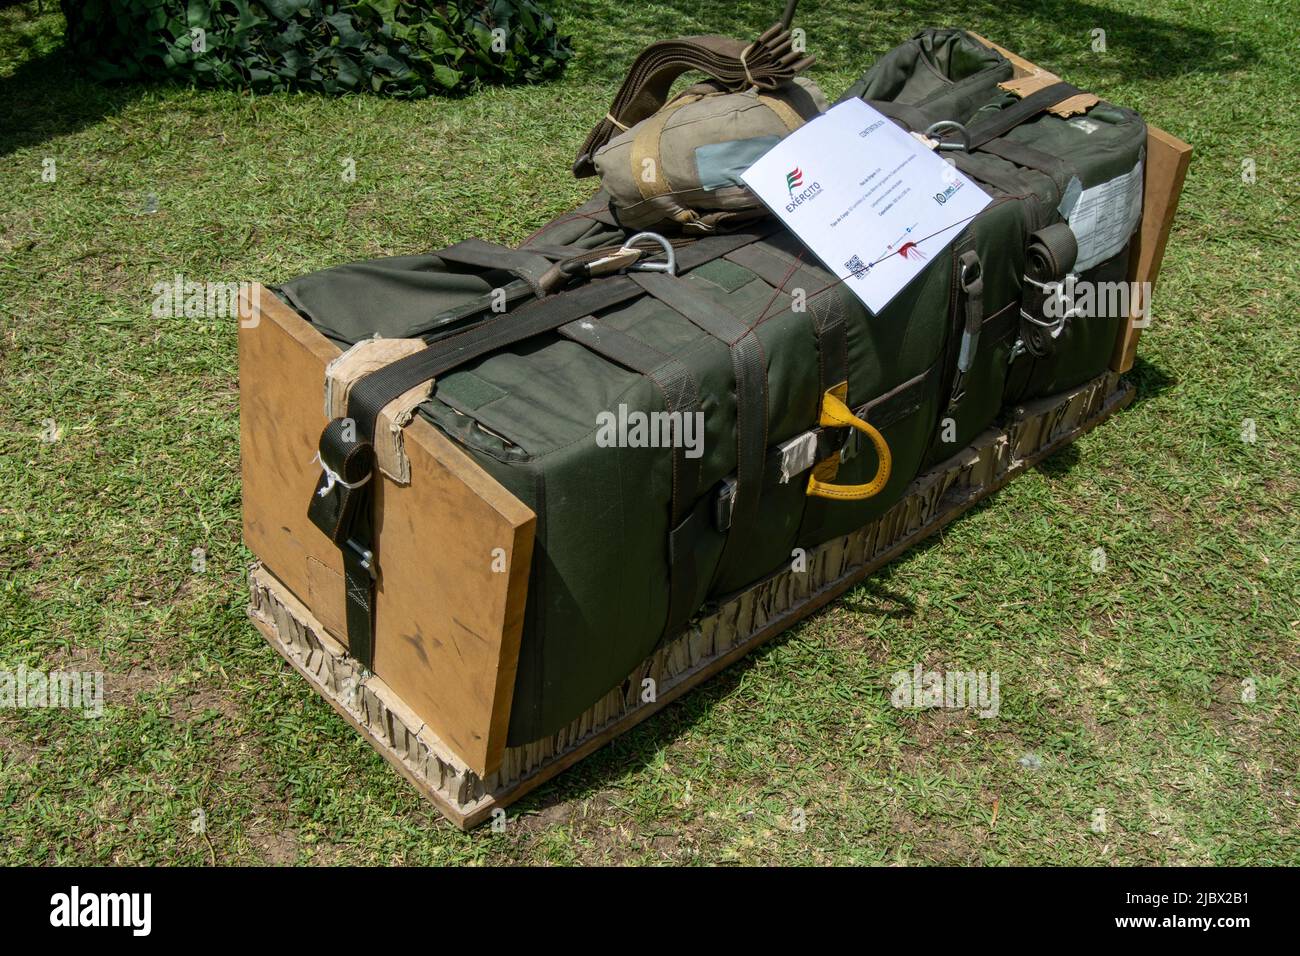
x: 1049, y: 257
x: 993, y: 126
x: 340, y: 507
x: 781, y: 270
x: 1004, y: 120
x: 825, y: 305
x: 750, y: 370
x: 821, y: 295
x: 681, y: 398
x: 832, y: 330
x: 672, y: 378
x: 370, y: 394
x: 1001, y: 177
x: 508, y: 296
x: 970, y: 279
x: 952, y: 339
x: 1054, y: 167
x: 909, y: 116
x: 533, y: 268
x: 343, y: 437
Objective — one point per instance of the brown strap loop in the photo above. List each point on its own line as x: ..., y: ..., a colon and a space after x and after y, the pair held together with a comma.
x: 766, y: 63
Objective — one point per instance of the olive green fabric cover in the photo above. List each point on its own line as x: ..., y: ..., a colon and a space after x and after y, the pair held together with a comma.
x: 598, y: 597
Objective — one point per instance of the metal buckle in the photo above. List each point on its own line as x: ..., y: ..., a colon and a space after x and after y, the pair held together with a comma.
x: 724, y: 504
x: 365, y: 554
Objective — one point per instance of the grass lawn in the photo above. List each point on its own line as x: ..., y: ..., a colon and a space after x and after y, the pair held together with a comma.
x: 1162, y: 690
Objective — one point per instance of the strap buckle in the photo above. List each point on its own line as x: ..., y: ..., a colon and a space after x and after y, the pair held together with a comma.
x: 724, y: 505
x: 365, y: 555
x: 972, y: 274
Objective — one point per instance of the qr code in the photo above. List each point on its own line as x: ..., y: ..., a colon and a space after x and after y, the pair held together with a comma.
x: 856, y: 266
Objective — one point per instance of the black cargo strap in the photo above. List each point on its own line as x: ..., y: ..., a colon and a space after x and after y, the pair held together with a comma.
x: 821, y: 295
x: 1005, y: 120
x: 909, y: 117
x: 825, y: 304
x: 540, y: 274
x: 884, y: 410
x: 374, y: 391
x: 1054, y: 167
x: 993, y: 126
x: 344, y: 515
x: 340, y: 507
x: 822, y: 298
x: 1008, y: 180
x: 1049, y: 257
x: 672, y: 378
x: 681, y: 397
x: 500, y: 301
x: 970, y: 278
x: 750, y: 370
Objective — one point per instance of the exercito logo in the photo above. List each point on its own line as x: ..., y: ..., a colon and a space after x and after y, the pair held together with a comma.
x: 792, y: 179
x: 74, y: 909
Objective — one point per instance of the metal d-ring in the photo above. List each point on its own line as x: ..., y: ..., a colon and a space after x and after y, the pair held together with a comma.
x: 936, y: 130
x: 669, y: 267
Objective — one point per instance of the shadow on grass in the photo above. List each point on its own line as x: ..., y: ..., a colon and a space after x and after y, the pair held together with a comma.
x: 46, y: 98
x: 1149, y: 380
x: 848, y: 36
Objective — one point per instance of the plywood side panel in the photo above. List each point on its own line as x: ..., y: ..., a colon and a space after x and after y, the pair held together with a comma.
x: 1162, y: 186
x: 281, y: 415
x: 453, y: 546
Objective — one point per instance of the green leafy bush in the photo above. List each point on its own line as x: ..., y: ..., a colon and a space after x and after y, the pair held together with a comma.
x: 404, y: 48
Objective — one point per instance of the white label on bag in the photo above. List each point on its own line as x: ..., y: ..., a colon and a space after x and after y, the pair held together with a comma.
x: 871, y: 202
x: 1105, y: 216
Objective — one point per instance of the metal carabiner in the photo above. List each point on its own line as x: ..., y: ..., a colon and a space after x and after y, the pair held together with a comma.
x: 934, y: 131
x: 669, y: 267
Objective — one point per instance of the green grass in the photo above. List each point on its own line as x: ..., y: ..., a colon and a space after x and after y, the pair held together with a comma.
x: 1127, y: 684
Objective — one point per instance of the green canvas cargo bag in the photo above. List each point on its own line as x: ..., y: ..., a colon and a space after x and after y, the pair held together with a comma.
x: 680, y: 427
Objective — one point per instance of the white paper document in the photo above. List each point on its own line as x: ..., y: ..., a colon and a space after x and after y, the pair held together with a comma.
x: 1105, y: 216
x: 871, y: 201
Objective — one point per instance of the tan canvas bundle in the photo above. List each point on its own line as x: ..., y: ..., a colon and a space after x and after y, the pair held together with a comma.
x: 680, y: 167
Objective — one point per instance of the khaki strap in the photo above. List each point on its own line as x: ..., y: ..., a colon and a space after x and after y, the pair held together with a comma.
x: 784, y: 111
x: 645, y: 147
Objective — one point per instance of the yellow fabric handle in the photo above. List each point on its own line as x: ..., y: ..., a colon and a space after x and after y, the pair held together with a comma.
x: 836, y: 414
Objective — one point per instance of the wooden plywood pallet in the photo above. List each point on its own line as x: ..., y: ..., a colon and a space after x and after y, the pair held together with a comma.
x: 1028, y: 434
